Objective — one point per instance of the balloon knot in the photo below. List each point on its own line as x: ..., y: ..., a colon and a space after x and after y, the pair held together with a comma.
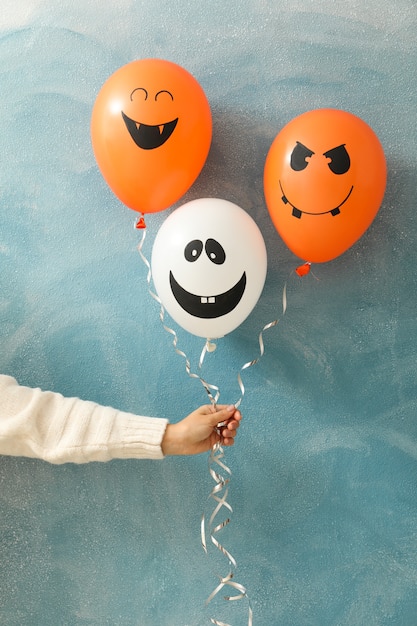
x: 210, y: 346
x: 140, y: 224
x: 303, y: 270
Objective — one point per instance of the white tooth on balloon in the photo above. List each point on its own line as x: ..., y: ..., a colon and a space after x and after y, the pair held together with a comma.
x: 203, y: 300
x: 212, y: 300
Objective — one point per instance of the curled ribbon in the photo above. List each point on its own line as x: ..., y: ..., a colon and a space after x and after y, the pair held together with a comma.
x: 301, y: 271
x: 210, y: 389
x: 261, y: 347
x: 219, y: 494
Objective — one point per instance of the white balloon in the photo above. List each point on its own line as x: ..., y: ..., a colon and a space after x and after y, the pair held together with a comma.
x: 209, y: 266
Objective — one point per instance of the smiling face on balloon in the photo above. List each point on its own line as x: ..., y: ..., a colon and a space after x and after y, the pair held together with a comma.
x: 151, y: 133
x: 150, y: 136
x: 324, y: 181
x: 209, y: 266
x: 216, y: 304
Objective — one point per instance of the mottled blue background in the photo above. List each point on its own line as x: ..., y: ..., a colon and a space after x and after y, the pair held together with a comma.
x: 324, y: 528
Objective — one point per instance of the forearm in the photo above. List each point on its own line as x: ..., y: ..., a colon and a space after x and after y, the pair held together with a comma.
x: 45, y: 425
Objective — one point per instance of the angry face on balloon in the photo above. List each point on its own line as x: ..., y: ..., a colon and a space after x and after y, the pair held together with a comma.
x: 209, y: 266
x: 324, y: 181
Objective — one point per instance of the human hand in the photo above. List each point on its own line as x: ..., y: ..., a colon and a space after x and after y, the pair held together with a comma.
x: 199, y: 431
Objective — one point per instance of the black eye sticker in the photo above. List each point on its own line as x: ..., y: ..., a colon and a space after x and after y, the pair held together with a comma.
x: 215, y: 252
x: 339, y: 159
x: 193, y: 250
x: 164, y: 91
x: 139, y: 89
x: 299, y: 157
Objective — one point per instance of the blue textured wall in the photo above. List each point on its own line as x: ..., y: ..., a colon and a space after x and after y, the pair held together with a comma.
x: 324, y: 527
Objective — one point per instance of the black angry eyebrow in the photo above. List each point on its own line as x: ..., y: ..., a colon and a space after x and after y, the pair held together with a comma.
x: 339, y: 159
x: 299, y: 156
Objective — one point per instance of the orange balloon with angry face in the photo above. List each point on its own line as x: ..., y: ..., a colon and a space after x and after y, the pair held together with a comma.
x: 151, y: 131
x: 324, y: 181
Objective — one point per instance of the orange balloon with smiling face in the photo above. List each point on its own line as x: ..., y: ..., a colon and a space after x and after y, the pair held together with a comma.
x: 324, y: 181
x: 151, y: 131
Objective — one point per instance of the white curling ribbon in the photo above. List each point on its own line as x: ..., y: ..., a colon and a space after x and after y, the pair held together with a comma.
x: 219, y: 494
x: 208, y: 387
x: 306, y: 267
x: 261, y: 347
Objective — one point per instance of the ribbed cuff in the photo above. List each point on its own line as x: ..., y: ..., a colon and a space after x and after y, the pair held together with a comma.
x: 136, y: 437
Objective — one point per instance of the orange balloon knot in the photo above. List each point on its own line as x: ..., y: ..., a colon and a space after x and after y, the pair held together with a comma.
x: 140, y: 224
x: 303, y: 270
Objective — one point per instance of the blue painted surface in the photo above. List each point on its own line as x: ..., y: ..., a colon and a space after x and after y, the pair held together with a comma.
x: 324, y: 473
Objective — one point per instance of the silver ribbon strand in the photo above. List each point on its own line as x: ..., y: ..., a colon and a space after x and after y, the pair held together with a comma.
x: 220, y: 491
x: 210, y: 389
x: 261, y: 347
x: 221, y: 475
x: 302, y: 270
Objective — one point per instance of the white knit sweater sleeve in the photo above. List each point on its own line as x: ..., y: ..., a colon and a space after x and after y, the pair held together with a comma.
x: 48, y: 426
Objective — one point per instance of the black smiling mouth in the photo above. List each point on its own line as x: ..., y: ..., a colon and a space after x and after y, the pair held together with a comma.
x: 298, y: 213
x: 149, y: 137
x: 208, y: 307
